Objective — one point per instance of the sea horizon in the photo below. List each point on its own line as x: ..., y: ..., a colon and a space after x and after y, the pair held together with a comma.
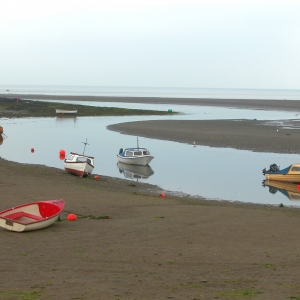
x: 159, y: 92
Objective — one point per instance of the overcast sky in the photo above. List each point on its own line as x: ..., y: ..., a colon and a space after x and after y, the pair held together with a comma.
x: 155, y: 43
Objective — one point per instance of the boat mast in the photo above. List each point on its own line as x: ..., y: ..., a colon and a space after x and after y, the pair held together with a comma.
x: 137, y: 141
x: 85, y: 143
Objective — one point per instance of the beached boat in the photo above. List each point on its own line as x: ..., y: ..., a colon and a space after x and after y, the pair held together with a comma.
x: 288, y: 189
x: 134, y: 171
x: 289, y: 174
x: 63, y: 111
x: 31, y: 216
x: 79, y: 164
x: 135, y: 156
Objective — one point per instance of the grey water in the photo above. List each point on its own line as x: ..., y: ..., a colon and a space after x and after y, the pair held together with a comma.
x: 213, y: 173
x: 167, y: 92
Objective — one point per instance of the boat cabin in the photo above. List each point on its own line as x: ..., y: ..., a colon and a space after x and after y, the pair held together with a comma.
x: 73, y: 157
x: 134, y: 152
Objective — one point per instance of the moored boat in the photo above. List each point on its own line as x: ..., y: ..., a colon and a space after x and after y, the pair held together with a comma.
x: 79, y: 164
x: 63, y: 111
x: 31, y: 216
x: 135, y: 156
x: 289, y: 174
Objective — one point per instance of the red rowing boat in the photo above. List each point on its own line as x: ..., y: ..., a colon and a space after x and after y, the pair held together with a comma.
x: 31, y: 216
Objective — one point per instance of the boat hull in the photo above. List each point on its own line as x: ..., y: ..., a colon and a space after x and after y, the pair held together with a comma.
x: 283, y: 177
x: 31, y: 216
x: 80, y: 169
x: 61, y: 111
x: 135, y: 160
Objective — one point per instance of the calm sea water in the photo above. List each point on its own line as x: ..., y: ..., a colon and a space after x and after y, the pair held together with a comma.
x: 215, y: 173
x: 274, y: 94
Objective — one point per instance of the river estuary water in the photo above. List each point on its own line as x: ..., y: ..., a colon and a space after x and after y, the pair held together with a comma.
x: 214, y: 173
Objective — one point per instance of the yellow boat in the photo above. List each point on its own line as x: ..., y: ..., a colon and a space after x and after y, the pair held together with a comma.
x: 290, y: 190
x: 289, y: 174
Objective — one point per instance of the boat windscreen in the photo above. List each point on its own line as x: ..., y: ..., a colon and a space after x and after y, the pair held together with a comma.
x: 129, y: 153
x: 81, y: 159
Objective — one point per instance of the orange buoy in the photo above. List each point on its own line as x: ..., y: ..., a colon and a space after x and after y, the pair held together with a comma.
x: 72, y: 217
x: 163, y: 195
x: 62, y: 152
x: 96, y: 177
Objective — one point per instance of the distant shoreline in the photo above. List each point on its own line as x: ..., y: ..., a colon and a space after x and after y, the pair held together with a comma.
x: 282, y: 105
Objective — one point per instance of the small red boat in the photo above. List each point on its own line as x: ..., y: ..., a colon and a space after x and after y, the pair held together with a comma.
x: 31, y: 216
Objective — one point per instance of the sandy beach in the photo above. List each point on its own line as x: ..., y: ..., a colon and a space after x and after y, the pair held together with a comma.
x: 152, y: 247
x: 258, y: 136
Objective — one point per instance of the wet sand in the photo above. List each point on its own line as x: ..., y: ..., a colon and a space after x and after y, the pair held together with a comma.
x: 152, y: 247
x: 258, y: 136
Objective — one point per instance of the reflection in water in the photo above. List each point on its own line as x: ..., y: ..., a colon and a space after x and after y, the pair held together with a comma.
x: 2, y: 138
x: 290, y: 190
x: 135, y: 171
x: 66, y: 119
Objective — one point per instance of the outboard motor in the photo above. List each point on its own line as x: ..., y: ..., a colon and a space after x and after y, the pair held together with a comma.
x: 273, y: 168
x: 121, y: 150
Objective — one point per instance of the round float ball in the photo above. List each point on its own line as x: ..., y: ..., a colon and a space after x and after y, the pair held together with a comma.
x: 163, y: 195
x: 62, y: 157
x: 72, y: 217
x: 62, y: 152
x: 32, y: 149
x: 96, y: 177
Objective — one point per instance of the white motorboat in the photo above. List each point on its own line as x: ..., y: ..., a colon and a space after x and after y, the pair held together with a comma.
x: 134, y: 171
x: 79, y: 164
x: 135, y: 156
x: 63, y: 111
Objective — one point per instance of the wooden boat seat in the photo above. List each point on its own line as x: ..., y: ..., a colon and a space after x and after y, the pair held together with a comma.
x: 20, y: 214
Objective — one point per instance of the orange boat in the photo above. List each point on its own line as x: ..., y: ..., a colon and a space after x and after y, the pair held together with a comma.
x: 1, y: 130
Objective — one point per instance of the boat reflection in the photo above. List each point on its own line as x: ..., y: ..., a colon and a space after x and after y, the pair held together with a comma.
x: 290, y: 190
x: 135, y: 171
x: 67, y: 118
